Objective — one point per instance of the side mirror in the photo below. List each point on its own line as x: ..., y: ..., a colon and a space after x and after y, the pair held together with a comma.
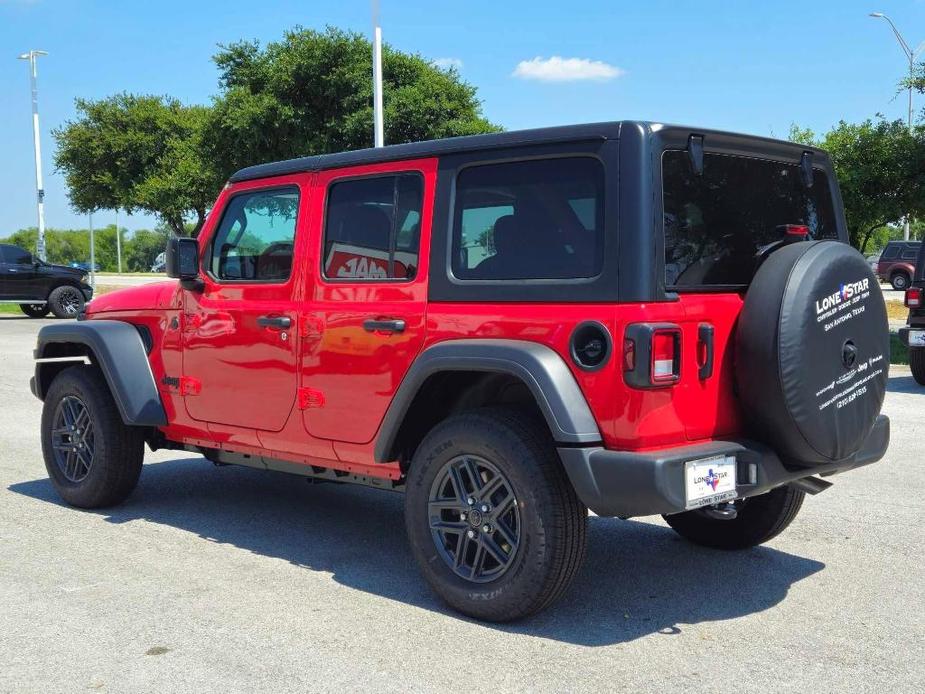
x: 182, y: 261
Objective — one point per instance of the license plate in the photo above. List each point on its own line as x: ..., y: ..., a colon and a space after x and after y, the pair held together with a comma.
x: 710, y: 481
x: 917, y: 338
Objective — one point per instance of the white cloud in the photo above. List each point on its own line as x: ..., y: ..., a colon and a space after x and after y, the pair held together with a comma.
x: 447, y: 63
x: 559, y: 69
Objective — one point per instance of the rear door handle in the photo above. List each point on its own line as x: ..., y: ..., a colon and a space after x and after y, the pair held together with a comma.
x: 388, y: 325
x: 278, y: 322
x: 705, y: 350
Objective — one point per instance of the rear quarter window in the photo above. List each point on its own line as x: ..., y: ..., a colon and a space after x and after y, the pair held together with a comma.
x: 717, y: 222
x: 529, y: 220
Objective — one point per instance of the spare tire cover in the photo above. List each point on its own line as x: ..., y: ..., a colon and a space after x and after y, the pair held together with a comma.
x: 812, y: 352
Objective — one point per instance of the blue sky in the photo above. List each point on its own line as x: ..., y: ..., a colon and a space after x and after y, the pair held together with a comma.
x: 745, y: 66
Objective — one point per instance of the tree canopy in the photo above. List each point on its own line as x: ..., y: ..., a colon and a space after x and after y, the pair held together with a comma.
x: 881, y: 172
x: 309, y: 93
x: 135, y: 153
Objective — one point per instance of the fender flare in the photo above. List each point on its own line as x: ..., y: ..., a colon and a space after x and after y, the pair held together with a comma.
x: 541, y: 369
x: 118, y: 350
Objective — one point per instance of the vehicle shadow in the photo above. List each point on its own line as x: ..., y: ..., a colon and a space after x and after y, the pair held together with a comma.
x: 638, y: 579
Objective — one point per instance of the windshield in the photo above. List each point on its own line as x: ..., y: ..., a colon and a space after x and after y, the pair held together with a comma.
x: 718, y: 221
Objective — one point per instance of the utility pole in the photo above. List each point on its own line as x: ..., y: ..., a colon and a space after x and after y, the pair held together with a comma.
x: 32, y: 57
x: 378, y: 128
x: 92, y: 255
x: 911, y: 55
x: 118, y: 245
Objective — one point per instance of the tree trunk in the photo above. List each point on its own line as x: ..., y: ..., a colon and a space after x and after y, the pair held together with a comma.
x: 200, y: 221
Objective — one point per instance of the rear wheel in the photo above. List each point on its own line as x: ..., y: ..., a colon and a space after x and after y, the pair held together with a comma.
x: 900, y: 281
x: 92, y: 457
x: 66, y: 301
x: 493, y: 522
x: 917, y: 364
x: 35, y: 310
x: 758, y: 519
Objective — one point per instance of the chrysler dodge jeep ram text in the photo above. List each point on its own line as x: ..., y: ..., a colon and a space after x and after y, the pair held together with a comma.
x: 511, y: 329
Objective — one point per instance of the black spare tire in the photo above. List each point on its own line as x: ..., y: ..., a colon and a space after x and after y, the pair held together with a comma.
x: 812, y: 352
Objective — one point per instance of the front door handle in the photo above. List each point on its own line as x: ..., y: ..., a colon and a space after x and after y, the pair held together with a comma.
x: 278, y: 322
x: 386, y: 325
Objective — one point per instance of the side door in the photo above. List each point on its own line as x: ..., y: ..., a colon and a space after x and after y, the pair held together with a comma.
x: 20, y: 276
x: 239, y: 331
x: 4, y: 294
x: 364, y: 317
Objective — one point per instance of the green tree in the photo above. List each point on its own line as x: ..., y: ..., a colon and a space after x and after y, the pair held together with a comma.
x: 141, y: 249
x: 311, y: 93
x: 881, y: 172
x: 138, y: 153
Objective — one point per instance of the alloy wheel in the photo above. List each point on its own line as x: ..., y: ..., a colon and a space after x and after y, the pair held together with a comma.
x: 72, y: 438
x: 474, y: 519
x: 70, y: 302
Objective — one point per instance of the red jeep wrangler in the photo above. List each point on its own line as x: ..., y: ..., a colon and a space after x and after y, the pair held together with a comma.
x: 513, y: 328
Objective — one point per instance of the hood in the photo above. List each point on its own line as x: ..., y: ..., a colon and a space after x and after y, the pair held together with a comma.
x: 66, y: 270
x: 157, y: 295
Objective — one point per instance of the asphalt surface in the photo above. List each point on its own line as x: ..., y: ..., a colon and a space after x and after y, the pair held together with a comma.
x: 115, y: 280
x: 233, y: 580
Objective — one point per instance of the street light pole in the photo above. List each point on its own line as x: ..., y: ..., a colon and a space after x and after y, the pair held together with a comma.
x: 118, y: 245
x: 92, y: 255
x: 32, y: 56
x: 378, y: 128
x: 911, y: 55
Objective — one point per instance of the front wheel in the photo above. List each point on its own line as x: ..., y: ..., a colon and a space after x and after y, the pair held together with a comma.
x: 492, y: 519
x: 917, y: 364
x: 35, y: 310
x: 66, y: 301
x: 758, y: 519
x: 92, y: 457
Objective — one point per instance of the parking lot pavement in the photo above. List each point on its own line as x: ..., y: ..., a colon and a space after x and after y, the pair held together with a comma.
x: 231, y: 580
x: 891, y: 294
x: 111, y: 279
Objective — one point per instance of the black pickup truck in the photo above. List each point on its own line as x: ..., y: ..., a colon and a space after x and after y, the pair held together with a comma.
x: 39, y: 287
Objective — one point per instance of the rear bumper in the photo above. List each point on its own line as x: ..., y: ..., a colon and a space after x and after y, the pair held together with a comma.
x: 625, y: 484
x: 87, y: 291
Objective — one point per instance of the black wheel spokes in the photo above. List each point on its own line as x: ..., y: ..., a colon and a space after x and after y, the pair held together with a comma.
x: 474, y: 519
x: 72, y: 438
x: 70, y: 302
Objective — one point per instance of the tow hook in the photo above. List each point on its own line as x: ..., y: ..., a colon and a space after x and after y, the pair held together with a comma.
x: 726, y: 511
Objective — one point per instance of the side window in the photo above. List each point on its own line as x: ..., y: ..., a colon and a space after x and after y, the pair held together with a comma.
x: 890, y: 252
x: 254, y: 241
x: 539, y: 219
x: 910, y: 254
x: 17, y: 256
x: 372, y: 228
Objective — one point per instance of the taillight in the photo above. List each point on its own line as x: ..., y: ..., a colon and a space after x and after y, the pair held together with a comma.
x: 652, y: 355
x: 913, y: 297
x: 794, y: 231
x: 666, y: 356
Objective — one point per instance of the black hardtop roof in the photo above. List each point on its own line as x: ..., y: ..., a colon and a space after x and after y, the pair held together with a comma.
x: 468, y: 143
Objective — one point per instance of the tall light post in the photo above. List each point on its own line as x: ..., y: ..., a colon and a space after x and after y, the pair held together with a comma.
x: 32, y: 57
x: 92, y: 254
x: 911, y: 55
x: 378, y: 128
x: 118, y: 245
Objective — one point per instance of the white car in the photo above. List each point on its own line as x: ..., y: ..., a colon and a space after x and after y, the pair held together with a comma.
x: 160, y: 263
